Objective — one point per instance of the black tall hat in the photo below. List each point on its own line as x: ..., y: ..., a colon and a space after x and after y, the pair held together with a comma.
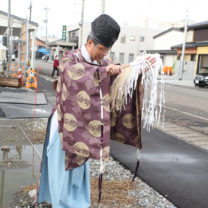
x: 105, y: 30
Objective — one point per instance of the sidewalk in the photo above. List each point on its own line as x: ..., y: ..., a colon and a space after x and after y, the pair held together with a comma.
x: 170, y: 80
x: 180, y: 83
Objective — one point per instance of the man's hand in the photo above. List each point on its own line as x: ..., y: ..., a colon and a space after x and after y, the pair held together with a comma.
x: 113, y: 69
x: 152, y: 60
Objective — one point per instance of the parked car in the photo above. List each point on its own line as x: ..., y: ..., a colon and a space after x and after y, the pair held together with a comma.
x: 201, y: 80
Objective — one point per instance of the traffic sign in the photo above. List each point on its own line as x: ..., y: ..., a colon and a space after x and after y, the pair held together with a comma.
x: 64, y: 33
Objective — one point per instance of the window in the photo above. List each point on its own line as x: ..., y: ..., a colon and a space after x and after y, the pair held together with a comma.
x: 203, y: 64
x: 123, y: 38
x: 141, y: 38
x: 131, y: 57
x: 193, y: 57
x: 132, y: 38
x: 73, y: 34
x: 190, y: 35
x: 121, y: 58
x: 112, y: 56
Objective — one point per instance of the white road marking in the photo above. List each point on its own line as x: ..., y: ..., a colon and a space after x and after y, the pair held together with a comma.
x: 186, y: 113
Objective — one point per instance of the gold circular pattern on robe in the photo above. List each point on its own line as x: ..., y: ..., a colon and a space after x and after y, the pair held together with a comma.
x: 113, y: 119
x: 65, y: 60
x: 64, y: 92
x: 128, y: 121
x: 61, y: 67
x: 58, y: 89
x: 106, y: 151
x: 81, y: 149
x: 61, y: 136
x: 70, y: 122
x: 83, y: 99
x: 94, y: 128
x: 76, y: 71
x: 118, y: 137
x: 59, y: 113
x: 106, y: 102
x: 80, y: 160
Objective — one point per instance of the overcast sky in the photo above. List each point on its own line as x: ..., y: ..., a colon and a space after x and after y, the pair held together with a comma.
x: 128, y: 12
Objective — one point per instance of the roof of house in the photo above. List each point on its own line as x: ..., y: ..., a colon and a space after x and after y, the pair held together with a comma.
x: 167, y: 31
x: 199, y: 25
x: 61, y: 43
x: 191, y: 45
x: 18, y: 18
x: 162, y: 52
x: 39, y: 39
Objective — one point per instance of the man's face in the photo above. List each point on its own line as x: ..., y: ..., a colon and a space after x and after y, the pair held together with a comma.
x: 100, y: 52
x: 96, y: 52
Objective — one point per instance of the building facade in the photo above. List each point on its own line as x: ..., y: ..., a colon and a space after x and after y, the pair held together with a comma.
x: 21, y: 30
x: 163, y: 43
x: 196, y: 46
x: 131, y: 41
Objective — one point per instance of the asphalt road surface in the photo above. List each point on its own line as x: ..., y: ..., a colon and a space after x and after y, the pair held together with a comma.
x: 188, y: 107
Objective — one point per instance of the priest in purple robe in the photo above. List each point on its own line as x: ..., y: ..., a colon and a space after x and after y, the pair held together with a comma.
x: 81, y: 123
x: 79, y: 126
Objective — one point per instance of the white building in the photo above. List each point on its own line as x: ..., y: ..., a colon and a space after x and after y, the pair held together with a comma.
x: 163, y: 43
x: 20, y: 30
x: 168, y: 38
x: 131, y: 41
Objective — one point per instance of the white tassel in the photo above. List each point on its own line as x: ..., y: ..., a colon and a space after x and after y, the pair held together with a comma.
x: 150, y: 113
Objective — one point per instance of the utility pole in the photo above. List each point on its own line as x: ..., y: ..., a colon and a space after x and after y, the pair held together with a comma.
x: 27, y: 42
x: 8, y: 38
x: 29, y: 35
x: 82, y: 23
x: 102, y: 6
x: 46, y: 21
x: 184, y: 46
x: 30, y: 8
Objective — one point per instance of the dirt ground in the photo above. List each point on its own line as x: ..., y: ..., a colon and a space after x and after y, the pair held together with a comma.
x: 114, y: 194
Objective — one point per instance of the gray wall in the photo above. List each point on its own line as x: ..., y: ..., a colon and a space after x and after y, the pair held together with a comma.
x: 188, y: 72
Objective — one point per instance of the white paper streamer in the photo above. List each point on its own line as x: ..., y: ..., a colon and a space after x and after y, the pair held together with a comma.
x: 151, y: 112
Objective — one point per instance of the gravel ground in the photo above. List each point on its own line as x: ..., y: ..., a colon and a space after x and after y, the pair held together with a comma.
x: 118, y: 190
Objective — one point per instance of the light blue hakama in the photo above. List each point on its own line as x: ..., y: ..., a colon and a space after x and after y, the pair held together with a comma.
x: 61, y: 188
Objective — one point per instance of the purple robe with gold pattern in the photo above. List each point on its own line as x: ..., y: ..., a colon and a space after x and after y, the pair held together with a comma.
x: 78, y: 105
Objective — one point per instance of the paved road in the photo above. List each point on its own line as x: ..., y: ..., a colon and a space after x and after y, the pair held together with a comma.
x: 46, y: 68
x: 187, y: 114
